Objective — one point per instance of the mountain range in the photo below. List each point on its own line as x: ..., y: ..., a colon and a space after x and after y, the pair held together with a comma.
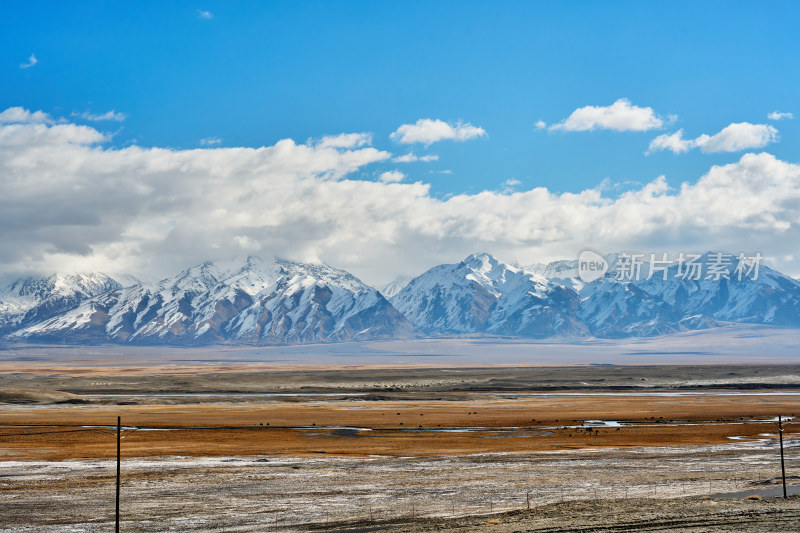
x: 283, y: 302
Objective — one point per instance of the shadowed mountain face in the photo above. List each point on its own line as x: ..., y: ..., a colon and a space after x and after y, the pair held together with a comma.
x: 259, y: 303
x: 280, y: 302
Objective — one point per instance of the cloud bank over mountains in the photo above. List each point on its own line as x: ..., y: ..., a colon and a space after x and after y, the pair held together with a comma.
x: 71, y: 202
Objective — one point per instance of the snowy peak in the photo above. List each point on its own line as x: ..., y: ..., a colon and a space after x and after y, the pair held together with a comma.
x: 395, y: 286
x: 260, y: 302
x: 64, y: 285
x: 483, y: 294
x: 197, y: 279
x: 482, y: 262
x: 29, y: 300
x: 271, y: 301
x: 702, y: 290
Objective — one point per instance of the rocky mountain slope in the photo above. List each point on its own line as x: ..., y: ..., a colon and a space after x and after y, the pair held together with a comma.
x: 275, y: 301
x: 31, y: 300
x: 260, y: 302
x: 482, y: 294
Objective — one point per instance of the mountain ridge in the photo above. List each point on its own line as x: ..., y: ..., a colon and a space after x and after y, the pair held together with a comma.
x: 259, y: 303
x: 284, y: 302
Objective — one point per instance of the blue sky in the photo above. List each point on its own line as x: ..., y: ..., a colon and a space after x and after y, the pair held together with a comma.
x: 257, y: 72
x: 187, y: 75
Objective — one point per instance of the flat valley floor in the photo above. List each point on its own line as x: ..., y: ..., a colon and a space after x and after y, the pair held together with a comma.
x: 230, y: 446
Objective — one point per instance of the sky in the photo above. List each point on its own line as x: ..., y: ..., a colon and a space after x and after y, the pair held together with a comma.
x: 387, y: 137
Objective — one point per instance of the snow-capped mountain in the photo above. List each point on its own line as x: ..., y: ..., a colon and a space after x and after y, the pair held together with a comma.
x: 671, y: 301
x: 395, y: 286
x: 260, y: 302
x: 267, y: 302
x: 563, y: 272
x: 483, y: 295
x: 31, y: 300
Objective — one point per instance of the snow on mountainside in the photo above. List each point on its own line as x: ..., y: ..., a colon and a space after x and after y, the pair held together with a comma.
x: 30, y: 300
x: 477, y: 296
x: 482, y: 294
x: 394, y: 286
x: 670, y: 302
x: 266, y: 302
x: 564, y: 272
x: 261, y: 302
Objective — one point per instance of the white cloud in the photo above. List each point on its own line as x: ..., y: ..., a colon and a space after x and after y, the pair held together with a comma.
x: 540, y: 124
x: 23, y: 116
x: 619, y: 116
x: 100, y: 117
x: 70, y: 203
x: 31, y: 62
x: 247, y: 244
x: 391, y: 176
x: 777, y: 115
x: 740, y: 136
x: 673, y: 142
x: 210, y: 141
x: 733, y: 138
x: 428, y: 131
x: 346, y: 140
x: 510, y: 185
x: 411, y: 158
x: 39, y: 134
x: 208, y: 15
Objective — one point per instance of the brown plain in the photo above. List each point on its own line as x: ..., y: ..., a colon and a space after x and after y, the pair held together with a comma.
x: 500, y: 423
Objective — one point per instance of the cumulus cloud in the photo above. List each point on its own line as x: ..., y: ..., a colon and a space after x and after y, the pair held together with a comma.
x: 100, y: 117
x: 38, y: 134
x: 540, y: 124
x: 70, y: 202
x: 619, y: 116
x: 22, y: 115
x: 203, y: 14
x: 777, y: 115
x: 391, y: 176
x: 31, y: 62
x: 210, y: 141
x: 346, y: 140
x: 428, y: 131
x: 411, y: 158
x: 733, y: 138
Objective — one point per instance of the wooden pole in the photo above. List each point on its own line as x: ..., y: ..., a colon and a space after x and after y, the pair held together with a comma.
x: 119, y: 430
x: 783, y: 467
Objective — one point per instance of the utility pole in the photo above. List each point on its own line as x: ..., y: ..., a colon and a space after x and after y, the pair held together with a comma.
x: 119, y: 430
x: 783, y: 467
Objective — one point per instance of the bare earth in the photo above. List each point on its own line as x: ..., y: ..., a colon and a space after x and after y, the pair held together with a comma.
x: 319, y: 447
